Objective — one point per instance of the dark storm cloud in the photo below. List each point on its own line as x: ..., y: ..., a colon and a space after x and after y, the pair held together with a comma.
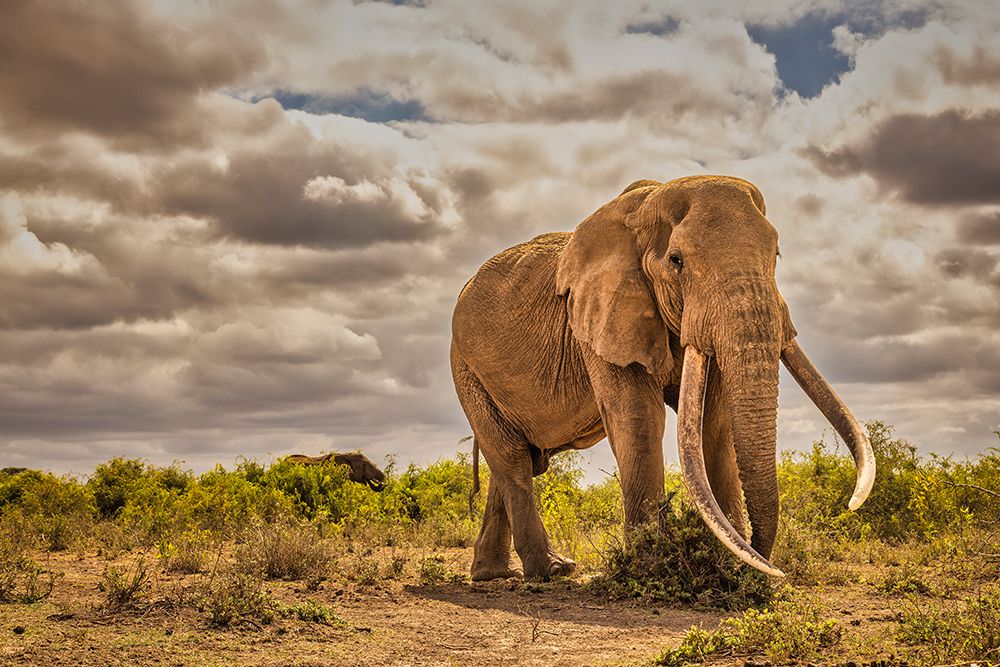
x: 948, y: 158
x: 300, y: 190
x: 117, y: 277
x: 962, y: 262
x: 113, y: 69
x: 979, y: 68
x: 979, y: 228
x: 54, y: 168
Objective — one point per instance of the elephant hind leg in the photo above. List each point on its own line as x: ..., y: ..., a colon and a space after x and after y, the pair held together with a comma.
x: 510, y: 509
x: 492, y: 551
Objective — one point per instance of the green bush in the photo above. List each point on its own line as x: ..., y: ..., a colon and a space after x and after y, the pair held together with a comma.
x: 435, y: 498
x: 969, y: 630
x: 791, y: 629
x: 680, y: 562
x: 60, y: 509
x: 112, y: 482
x: 913, y: 497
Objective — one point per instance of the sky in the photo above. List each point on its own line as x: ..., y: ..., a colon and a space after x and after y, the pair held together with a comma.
x: 238, y: 229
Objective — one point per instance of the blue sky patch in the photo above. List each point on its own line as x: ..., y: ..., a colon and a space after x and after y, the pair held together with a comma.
x: 804, y: 52
x: 371, y: 105
x: 665, y: 26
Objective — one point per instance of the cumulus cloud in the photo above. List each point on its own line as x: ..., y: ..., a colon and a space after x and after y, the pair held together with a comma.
x: 230, y: 230
x: 116, y: 69
x: 948, y: 158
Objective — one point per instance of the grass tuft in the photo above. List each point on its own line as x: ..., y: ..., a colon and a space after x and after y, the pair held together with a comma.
x: 286, y: 551
x: 125, y: 587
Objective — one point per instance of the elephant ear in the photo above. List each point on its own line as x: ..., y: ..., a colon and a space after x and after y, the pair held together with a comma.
x: 610, y: 302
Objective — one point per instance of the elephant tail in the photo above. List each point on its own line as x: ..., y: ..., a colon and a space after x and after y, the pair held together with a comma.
x: 475, y: 476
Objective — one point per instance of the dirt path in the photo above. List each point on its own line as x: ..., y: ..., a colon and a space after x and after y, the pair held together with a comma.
x: 395, y: 623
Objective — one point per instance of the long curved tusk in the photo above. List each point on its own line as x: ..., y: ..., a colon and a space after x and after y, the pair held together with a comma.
x: 834, y: 409
x: 689, y: 423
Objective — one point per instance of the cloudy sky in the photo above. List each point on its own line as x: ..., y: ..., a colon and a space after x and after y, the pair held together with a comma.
x: 232, y: 228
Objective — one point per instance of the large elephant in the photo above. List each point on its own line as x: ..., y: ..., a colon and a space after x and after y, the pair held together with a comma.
x: 664, y: 296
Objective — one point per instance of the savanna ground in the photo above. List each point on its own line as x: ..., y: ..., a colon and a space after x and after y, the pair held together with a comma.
x: 295, y: 565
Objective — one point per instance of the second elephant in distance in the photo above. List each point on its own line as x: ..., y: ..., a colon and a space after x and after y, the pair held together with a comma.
x: 664, y: 296
x: 363, y: 471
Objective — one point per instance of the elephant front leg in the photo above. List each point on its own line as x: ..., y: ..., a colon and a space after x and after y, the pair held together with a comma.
x: 492, y: 559
x: 632, y: 409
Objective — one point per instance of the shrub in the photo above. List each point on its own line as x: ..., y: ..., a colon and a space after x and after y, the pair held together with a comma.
x: 285, y: 551
x: 188, y: 553
x: 903, y: 580
x: 112, y: 482
x: 395, y: 567
x: 912, y: 498
x: 436, y: 498
x: 60, y: 509
x: 680, y: 562
x: 222, y: 501
x: 969, y: 630
x: 236, y: 597
x: 22, y: 580
x: 126, y: 587
x: 366, y: 572
x: 789, y: 630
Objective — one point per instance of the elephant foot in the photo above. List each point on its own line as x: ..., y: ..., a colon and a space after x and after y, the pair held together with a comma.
x: 551, y: 565
x: 484, y: 573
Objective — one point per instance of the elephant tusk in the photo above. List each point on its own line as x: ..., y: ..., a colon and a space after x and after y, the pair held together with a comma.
x: 833, y: 408
x: 690, y: 410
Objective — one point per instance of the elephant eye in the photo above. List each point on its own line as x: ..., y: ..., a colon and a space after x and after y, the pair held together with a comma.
x: 676, y: 260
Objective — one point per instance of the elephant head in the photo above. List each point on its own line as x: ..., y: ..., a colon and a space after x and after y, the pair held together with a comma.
x: 687, y: 268
x: 363, y: 471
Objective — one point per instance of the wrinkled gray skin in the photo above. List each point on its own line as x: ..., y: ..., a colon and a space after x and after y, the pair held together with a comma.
x: 568, y: 338
x: 363, y: 471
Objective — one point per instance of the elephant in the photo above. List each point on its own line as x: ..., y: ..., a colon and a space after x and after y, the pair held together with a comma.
x: 363, y: 471
x: 665, y: 296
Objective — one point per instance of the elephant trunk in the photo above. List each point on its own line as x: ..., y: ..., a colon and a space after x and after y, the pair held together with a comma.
x: 748, y: 363
x: 690, y: 413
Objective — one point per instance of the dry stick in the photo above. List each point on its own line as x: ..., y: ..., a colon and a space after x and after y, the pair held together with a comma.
x: 535, y: 622
x: 972, y: 486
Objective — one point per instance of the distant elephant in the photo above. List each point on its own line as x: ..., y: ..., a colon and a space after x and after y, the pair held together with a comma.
x: 363, y: 470
x: 665, y: 295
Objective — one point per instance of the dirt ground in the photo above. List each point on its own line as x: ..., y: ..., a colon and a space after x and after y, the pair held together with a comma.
x: 397, y: 622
